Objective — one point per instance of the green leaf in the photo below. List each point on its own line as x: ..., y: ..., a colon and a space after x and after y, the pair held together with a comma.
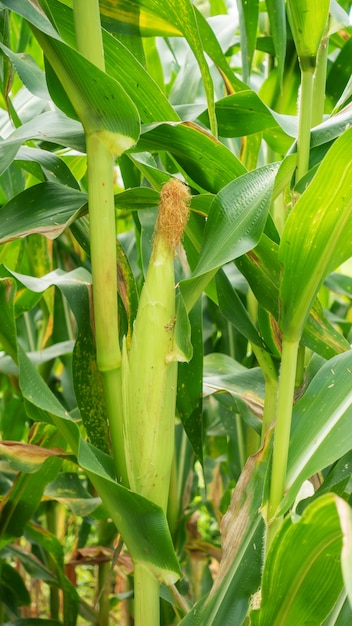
x: 345, y: 514
x: 233, y: 309
x: 100, y: 102
x: 189, y: 386
x: 261, y: 268
x: 277, y: 18
x: 136, y: 19
x: 242, y: 532
x: 33, y: 566
x: 52, y: 126
x: 150, y: 101
x: 29, y: 72
x: 68, y: 489
x: 308, y: 20
x: 145, y: 13
x: 222, y: 373
x: 13, y: 592
x: 303, y: 588
x: 317, y: 236
x: 241, y: 114
x: 236, y: 219
x: 37, y: 464
x: 248, y: 13
x: 45, y: 166
x: 207, y: 161
x: 46, y: 208
x: 54, y: 548
x: 25, y: 457
x: 30, y: 12
x: 321, y: 421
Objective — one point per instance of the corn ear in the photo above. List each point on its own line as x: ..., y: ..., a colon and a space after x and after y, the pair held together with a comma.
x: 149, y: 369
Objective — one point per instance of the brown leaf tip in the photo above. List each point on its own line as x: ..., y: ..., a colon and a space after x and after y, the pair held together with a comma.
x: 173, y: 211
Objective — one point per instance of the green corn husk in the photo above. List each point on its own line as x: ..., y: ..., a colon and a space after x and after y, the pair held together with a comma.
x: 149, y: 369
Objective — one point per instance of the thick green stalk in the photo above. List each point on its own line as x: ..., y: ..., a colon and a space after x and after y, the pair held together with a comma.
x: 282, y: 428
x: 270, y: 376
x: 146, y: 598
x: 305, y: 121
x: 88, y: 31
x: 102, y: 241
x: 103, y: 252
x: 104, y: 593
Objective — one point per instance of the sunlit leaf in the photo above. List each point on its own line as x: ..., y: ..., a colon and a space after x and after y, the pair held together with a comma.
x: 248, y: 14
x: 236, y: 219
x: 321, y: 420
x: 29, y: 72
x: 277, y: 18
x: 47, y: 208
x: 303, y: 588
x: 207, y: 161
x: 149, y: 99
x: 308, y: 255
x: 222, y: 373
x: 100, y: 102
x: 52, y: 126
x: 345, y: 514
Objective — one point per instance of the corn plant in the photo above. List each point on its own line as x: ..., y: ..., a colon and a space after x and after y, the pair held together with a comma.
x: 175, y: 319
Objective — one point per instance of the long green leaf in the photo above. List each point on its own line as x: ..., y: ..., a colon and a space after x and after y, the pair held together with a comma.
x: 206, y: 161
x: 100, y: 102
x: 277, y: 18
x: 45, y: 166
x: 317, y: 236
x: 143, y: 14
x: 52, y: 126
x: 299, y: 585
x: 321, y: 421
x: 248, y: 14
x: 345, y: 514
x: 53, y: 546
x: 47, y: 208
x: 262, y: 269
x: 222, y: 373
x: 236, y: 218
x: 150, y: 101
x: 29, y: 72
x: 232, y: 307
x: 189, y: 386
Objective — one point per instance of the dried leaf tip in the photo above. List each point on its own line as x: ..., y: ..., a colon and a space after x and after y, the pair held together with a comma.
x: 173, y: 212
